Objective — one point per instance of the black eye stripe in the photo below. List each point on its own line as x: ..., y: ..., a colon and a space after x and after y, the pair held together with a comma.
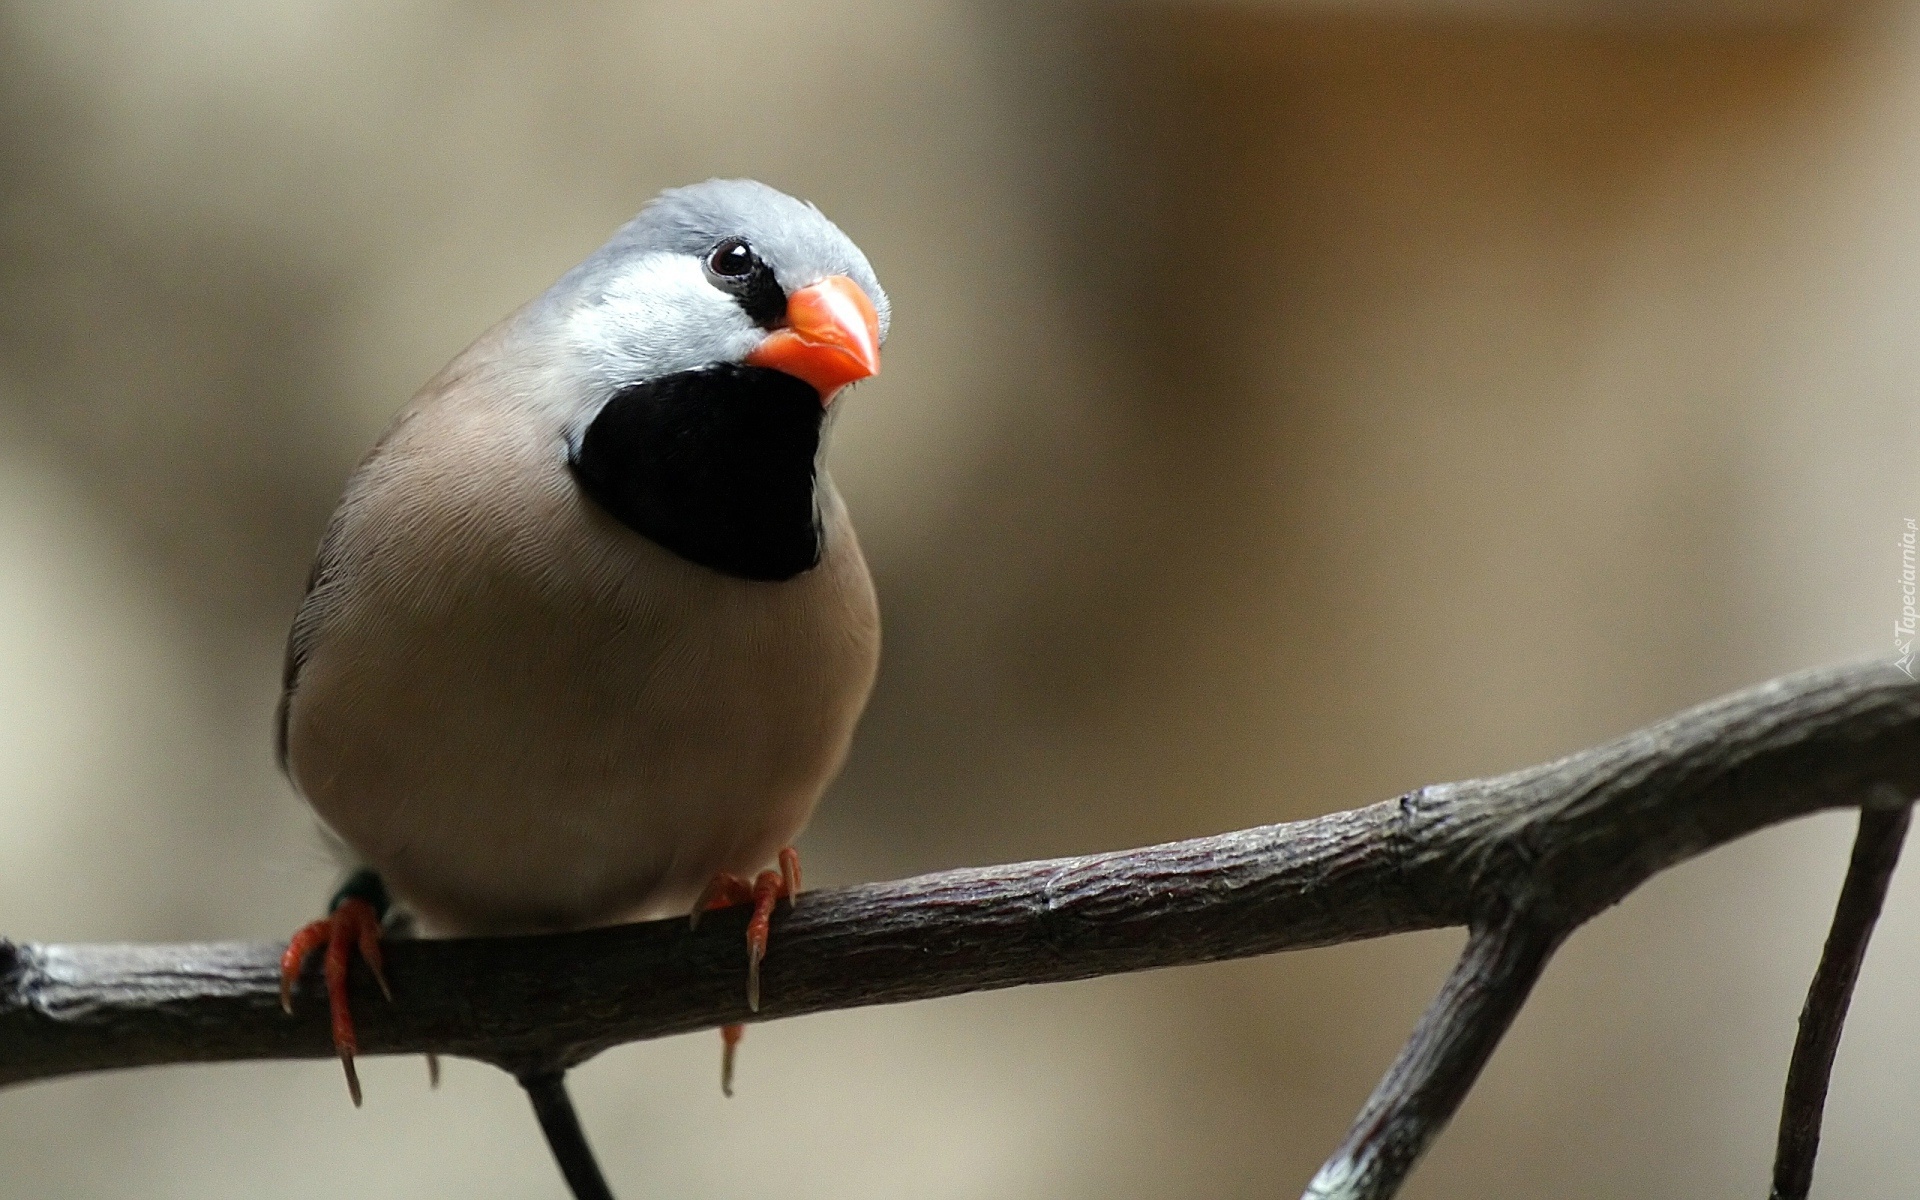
x: 734, y: 267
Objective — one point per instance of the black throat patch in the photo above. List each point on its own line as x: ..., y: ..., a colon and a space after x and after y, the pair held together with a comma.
x: 716, y: 464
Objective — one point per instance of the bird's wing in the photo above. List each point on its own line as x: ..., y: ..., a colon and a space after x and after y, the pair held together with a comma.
x: 308, y: 618
x: 313, y: 611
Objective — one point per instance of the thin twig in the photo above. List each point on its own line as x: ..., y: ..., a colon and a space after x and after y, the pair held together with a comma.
x: 1440, y: 1062
x: 1876, y: 851
x: 554, y: 1110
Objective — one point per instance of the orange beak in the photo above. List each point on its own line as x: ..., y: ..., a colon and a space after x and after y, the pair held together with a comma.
x: 831, y: 338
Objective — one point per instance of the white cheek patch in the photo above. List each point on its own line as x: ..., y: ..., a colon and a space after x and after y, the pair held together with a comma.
x: 659, y: 316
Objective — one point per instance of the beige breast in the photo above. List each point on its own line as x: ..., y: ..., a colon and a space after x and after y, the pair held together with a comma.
x: 526, y: 716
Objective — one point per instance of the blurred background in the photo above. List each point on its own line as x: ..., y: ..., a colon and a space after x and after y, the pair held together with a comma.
x: 1288, y: 404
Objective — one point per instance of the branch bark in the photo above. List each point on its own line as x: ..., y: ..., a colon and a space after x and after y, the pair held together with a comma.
x: 1876, y: 851
x: 1534, y: 853
x: 1440, y: 1062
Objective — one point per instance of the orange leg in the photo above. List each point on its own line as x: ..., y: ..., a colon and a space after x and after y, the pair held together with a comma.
x: 765, y: 892
x: 354, y: 922
x: 722, y: 891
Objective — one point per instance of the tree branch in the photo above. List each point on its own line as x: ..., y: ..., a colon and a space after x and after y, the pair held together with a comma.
x: 1440, y: 1062
x: 1876, y: 851
x: 1523, y: 859
x: 553, y: 1108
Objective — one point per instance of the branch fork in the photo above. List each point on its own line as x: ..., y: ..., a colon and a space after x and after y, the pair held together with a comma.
x: 1521, y: 860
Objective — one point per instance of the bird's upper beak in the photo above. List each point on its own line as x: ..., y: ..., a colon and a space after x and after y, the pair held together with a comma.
x: 831, y: 338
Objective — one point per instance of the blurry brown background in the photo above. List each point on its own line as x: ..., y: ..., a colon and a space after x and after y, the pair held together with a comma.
x: 1287, y: 405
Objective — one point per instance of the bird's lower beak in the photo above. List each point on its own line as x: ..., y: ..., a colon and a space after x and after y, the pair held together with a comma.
x: 831, y: 338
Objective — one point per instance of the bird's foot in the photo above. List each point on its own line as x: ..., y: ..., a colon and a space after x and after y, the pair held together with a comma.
x: 730, y: 1036
x: 353, y: 920
x: 765, y: 892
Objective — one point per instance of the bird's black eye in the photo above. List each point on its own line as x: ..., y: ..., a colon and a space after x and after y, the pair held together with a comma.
x: 734, y: 268
x: 732, y: 259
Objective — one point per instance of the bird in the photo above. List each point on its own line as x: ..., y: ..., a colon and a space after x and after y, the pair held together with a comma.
x: 590, y: 631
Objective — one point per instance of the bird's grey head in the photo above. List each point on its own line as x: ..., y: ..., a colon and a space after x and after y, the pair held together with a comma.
x: 693, y: 360
x: 703, y: 276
